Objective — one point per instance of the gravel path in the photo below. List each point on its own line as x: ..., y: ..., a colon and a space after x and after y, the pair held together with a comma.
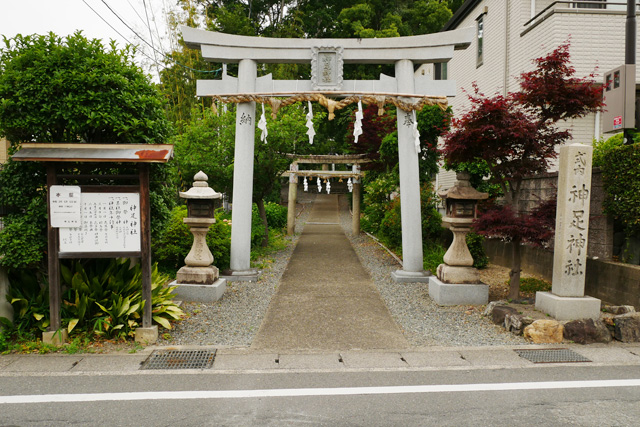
x: 235, y: 319
x: 423, y: 322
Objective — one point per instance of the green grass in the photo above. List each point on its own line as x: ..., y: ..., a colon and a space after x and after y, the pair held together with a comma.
x: 432, y: 256
x: 533, y: 285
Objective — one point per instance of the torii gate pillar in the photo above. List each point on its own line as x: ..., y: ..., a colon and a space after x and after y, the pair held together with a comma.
x: 243, y: 176
x: 412, y: 264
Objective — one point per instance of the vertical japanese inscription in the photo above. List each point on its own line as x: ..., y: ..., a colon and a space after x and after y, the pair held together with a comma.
x: 110, y: 223
x: 572, y: 223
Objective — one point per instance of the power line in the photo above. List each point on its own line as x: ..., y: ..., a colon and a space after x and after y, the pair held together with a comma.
x: 113, y: 28
x: 146, y: 42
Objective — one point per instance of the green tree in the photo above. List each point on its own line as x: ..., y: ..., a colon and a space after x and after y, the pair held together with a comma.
x: 72, y: 89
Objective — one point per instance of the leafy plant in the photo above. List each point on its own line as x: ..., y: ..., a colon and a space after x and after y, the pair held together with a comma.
x: 474, y: 243
x: 276, y: 215
x: 621, y: 179
x: 29, y: 297
x: 175, y: 242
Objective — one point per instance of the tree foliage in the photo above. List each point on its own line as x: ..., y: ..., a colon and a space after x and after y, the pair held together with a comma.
x: 72, y: 89
x: 516, y: 135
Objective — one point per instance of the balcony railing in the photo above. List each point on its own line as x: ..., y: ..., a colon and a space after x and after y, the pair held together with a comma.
x: 620, y: 6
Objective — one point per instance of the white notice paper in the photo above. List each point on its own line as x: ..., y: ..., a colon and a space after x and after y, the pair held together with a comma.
x: 110, y: 223
x: 64, y: 201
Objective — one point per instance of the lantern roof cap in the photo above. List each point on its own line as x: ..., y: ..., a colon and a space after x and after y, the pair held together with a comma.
x: 200, y: 189
x: 462, y: 190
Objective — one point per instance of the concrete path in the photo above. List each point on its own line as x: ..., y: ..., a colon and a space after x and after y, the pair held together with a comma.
x: 326, y: 299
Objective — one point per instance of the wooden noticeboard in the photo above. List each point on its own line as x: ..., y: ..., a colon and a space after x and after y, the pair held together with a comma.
x: 108, y: 220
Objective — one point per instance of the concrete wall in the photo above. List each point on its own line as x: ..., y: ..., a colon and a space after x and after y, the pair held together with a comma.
x: 612, y: 282
x: 544, y: 186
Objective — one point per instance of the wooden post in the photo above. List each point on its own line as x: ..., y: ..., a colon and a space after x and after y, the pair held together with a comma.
x: 55, y: 299
x: 292, y: 199
x: 355, y: 197
x: 145, y: 244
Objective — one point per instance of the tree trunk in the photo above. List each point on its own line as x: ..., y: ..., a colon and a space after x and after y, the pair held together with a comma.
x: 514, y: 274
x: 263, y: 216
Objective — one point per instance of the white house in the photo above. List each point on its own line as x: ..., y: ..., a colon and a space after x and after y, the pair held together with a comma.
x: 511, y: 33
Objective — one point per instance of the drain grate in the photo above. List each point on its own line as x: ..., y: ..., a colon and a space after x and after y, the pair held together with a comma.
x: 552, y: 355
x: 179, y: 359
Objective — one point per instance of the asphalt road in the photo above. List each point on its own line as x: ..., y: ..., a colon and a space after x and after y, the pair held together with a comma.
x: 540, y: 396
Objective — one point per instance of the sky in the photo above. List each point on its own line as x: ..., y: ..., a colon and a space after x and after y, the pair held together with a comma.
x: 64, y: 17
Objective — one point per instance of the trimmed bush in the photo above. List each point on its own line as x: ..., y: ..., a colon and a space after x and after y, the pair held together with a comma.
x: 276, y: 215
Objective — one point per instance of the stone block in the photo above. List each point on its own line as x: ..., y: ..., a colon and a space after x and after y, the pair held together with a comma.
x: 568, y: 308
x: 499, y: 313
x: 58, y: 337
x: 544, y: 331
x: 489, y: 308
x: 200, y: 293
x: 587, y: 331
x: 197, y: 275
x: 627, y: 327
x: 515, y: 323
x: 457, y: 294
x: 460, y: 275
x: 619, y: 309
x: 402, y: 276
x: 147, y: 336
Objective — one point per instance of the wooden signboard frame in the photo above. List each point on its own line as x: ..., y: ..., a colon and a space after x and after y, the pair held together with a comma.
x: 97, y: 156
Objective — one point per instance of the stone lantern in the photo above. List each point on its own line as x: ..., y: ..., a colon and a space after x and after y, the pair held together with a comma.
x: 198, y: 279
x: 457, y: 281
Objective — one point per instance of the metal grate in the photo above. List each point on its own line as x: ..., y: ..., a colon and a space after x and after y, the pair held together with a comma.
x: 553, y: 355
x: 179, y: 359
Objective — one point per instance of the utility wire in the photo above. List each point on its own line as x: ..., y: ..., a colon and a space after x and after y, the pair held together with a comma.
x: 146, y: 42
x: 112, y: 27
x: 144, y: 3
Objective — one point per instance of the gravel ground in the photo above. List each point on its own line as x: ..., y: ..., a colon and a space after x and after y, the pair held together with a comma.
x: 423, y: 322
x: 235, y: 319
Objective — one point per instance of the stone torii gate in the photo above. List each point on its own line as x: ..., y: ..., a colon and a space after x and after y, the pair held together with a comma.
x: 327, y: 57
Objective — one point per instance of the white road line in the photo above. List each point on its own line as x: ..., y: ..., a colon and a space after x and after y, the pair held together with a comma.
x: 305, y: 392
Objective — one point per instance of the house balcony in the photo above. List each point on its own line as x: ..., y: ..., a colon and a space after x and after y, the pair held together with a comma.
x: 595, y: 30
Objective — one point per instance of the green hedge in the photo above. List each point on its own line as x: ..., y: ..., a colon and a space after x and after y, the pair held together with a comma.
x: 621, y: 178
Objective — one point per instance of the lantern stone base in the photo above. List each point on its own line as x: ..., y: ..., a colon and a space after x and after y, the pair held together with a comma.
x: 568, y: 308
x: 457, y: 274
x: 403, y: 276
x: 197, y: 275
x: 200, y: 292
x: 458, y: 293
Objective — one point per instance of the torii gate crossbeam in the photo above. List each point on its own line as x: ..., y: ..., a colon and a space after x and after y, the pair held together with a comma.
x: 326, y: 57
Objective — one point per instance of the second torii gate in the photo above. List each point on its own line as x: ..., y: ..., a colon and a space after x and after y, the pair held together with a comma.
x: 327, y: 57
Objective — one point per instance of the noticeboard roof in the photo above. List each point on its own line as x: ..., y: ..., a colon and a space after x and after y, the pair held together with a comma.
x: 78, y: 152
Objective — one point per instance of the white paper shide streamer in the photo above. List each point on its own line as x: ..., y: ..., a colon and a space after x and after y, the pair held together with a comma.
x: 262, y: 125
x: 350, y: 185
x: 328, y: 186
x: 357, y: 125
x: 416, y: 133
x: 305, y: 184
x: 311, y: 132
x: 319, y: 185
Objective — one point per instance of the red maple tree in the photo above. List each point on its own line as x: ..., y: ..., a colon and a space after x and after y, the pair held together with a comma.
x: 517, y: 135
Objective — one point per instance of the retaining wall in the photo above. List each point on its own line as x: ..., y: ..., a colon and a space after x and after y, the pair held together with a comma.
x: 612, y: 282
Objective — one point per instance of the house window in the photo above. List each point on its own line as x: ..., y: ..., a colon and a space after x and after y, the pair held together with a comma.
x: 480, y: 38
x: 440, y: 71
x: 590, y: 4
